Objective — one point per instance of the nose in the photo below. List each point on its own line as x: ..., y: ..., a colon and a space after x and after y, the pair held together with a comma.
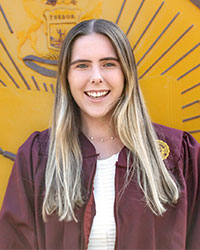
x: 96, y: 80
x: 96, y: 76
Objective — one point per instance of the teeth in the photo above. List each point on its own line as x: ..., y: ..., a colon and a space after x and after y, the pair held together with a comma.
x: 97, y: 94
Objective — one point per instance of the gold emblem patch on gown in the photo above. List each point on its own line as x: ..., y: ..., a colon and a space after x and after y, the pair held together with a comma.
x: 164, y: 149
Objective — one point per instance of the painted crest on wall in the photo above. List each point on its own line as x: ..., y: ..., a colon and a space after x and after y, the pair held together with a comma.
x: 59, y: 22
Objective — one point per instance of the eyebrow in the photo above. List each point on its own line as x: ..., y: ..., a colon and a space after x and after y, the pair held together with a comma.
x: 102, y: 59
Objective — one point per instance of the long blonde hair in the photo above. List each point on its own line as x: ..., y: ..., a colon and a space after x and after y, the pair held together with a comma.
x: 130, y: 120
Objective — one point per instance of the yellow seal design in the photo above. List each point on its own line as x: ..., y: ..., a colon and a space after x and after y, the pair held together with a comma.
x: 164, y: 149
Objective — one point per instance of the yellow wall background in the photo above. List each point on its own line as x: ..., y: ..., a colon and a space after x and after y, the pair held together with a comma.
x: 165, y: 40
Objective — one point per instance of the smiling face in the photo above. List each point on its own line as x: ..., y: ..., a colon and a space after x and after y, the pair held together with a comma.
x: 95, y: 76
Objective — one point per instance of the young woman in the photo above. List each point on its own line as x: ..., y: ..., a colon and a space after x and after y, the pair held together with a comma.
x: 103, y: 176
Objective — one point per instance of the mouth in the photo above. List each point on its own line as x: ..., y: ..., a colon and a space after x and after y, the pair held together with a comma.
x: 97, y: 94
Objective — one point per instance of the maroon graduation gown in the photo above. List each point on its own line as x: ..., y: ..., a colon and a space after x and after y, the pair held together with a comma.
x: 22, y: 226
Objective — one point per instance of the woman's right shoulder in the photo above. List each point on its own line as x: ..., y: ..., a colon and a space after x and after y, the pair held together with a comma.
x: 37, y: 142
x: 32, y: 155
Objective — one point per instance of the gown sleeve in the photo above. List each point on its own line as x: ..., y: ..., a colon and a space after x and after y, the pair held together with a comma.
x: 190, y: 160
x: 17, y: 220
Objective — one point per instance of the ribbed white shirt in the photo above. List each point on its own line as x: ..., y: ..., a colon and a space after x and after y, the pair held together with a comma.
x: 103, y: 232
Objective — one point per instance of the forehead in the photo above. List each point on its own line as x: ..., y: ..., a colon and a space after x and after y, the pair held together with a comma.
x: 93, y: 45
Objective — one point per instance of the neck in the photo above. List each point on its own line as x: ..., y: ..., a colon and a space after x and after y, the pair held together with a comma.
x: 97, y: 128
x: 102, y: 132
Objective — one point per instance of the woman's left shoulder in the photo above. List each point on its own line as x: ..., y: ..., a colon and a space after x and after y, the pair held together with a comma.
x: 180, y: 145
x: 168, y: 133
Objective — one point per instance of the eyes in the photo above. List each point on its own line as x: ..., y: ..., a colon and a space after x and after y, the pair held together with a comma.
x: 88, y: 65
x: 108, y: 65
x: 82, y: 66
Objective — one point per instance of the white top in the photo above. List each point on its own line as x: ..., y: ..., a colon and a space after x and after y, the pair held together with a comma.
x: 103, y: 232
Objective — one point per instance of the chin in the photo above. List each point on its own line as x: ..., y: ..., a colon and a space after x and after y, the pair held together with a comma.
x: 95, y: 115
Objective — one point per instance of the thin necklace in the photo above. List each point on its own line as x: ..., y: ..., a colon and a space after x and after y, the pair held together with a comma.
x: 92, y: 138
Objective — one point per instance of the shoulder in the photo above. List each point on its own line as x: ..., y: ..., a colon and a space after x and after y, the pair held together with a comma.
x: 36, y: 142
x: 31, y: 157
x: 170, y: 137
x: 180, y: 143
x: 169, y: 134
x: 173, y: 136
